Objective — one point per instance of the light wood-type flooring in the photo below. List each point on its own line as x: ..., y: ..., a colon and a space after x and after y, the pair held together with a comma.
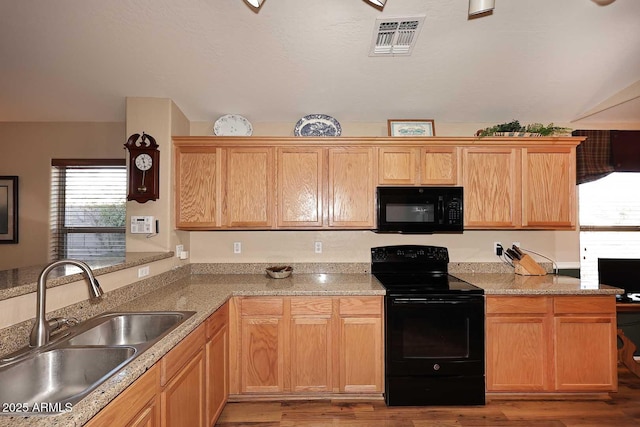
x: 621, y: 410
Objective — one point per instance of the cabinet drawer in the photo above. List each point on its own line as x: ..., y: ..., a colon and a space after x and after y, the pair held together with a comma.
x: 253, y: 306
x: 301, y: 306
x: 516, y: 305
x: 586, y: 304
x: 182, y: 353
x: 217, y: 320
x: 360, y: 306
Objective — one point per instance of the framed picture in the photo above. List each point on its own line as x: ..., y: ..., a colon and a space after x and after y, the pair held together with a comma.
x: 8, y: 209
x: 411, y: 127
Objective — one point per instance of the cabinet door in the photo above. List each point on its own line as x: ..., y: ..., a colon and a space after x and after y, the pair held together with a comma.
x: 198, y: 189
x: 517, y: 351
x: 351, y: 187
x: 549, y: 188
x: 262, y: 334
x: 250, y: 176
x: 137, y: 406
x: 182, y: 399
x: 300, y: 188
x: 585, y: 353
x: 361, y: 354
x: 360, y: 346
x: 492, y: 187
x: 311, y: 344
x: 397, y: 165
x: 439, y: 166
x: 217, y: 363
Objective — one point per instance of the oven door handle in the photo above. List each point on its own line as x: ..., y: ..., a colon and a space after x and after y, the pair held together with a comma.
x: 429, y: 301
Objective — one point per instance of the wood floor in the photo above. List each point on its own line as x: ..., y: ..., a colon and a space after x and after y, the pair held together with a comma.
x: 622, y: 410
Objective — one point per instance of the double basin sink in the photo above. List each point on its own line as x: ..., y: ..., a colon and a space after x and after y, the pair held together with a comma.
x: 53, y: 378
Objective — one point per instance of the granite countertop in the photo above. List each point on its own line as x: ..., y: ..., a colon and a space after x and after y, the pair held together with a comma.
x: 21, y: 281
x: 513, y: 284
x: 203, y: 294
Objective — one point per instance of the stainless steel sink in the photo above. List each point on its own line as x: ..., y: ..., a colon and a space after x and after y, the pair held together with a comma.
x: 52, y: 381
x: 126, y: 328
x: 64, y: 371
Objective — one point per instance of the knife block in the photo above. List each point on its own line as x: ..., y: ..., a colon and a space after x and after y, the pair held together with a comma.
x: 527, y: 266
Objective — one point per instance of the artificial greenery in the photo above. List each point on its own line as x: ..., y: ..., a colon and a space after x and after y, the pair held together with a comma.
x: 515, y: 126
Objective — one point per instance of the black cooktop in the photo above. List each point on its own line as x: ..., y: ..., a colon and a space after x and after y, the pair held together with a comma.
x: 415, y: 269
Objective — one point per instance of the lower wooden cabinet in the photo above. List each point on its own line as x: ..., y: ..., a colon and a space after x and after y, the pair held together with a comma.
x: 182, y: 399
x: 306, y: 345
x: 217, y: 363
x: 551, y: 344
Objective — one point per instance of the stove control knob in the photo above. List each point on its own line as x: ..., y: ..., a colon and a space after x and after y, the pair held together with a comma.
x: 436, y: 367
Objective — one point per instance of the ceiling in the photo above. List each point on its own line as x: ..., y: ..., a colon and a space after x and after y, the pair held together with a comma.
x: 542, y: 60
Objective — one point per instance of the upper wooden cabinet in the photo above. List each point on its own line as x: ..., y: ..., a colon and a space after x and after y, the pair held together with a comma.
x: 265, y: 183
x: 351, y: 187
x: 549, y: 187
x: 491, y: 181
x: 433, y: 165
x: 300, y: 187
x: 249, y: 185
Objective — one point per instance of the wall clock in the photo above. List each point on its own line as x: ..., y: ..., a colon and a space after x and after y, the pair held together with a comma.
x: 144, y: 168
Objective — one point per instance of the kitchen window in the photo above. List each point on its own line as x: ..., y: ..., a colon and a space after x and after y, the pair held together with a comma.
x: 88, y: 208
x: 609, y: 221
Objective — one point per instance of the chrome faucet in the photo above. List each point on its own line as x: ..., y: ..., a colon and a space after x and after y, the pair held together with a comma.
x: 42, y: 329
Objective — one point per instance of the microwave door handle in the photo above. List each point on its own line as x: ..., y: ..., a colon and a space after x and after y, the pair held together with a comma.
x: 440, y: 211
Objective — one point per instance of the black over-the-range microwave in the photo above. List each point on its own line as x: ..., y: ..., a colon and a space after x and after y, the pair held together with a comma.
x: 420, y: 210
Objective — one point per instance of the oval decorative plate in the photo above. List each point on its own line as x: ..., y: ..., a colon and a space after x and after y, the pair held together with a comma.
x: 232, y: 125
x: 317, y: 125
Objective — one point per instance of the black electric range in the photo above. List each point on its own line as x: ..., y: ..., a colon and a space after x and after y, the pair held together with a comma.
x: 434, y: 329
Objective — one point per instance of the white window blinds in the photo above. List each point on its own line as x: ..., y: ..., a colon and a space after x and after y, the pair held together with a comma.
x: 88, y: 208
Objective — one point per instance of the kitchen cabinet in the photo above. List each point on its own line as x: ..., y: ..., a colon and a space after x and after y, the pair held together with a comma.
x: 549, y: 187
x: 550, y: 344
x: 491, y: 181
x: 217, y: 363
x: 433, y: 165
x: 266, y: 183
x: 439, y: 165
x: 306, y: 345
x: 182, y: 379
x: 585, y: 340
x: 360, y: 348
x: 311, y: 344
x: 198, y: 187
x: 250, y: 176
x: 261, y: 334
x: 300, y: 189
x: 137, y: 406
x: 351, y: 187
x: 398, y: 165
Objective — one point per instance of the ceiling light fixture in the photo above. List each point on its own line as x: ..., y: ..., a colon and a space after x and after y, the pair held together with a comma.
x: 477, y: 7
x: 255, y: 3
x: 378, y: 3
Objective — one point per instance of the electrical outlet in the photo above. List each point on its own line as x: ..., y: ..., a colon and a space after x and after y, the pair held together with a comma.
x: 143, y: 271
x: 179, y: 250
x: 237, y: 247
x: 318, y: 247
x: 497, y: 248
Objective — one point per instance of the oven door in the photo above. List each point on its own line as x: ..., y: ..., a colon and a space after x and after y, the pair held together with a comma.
x: 437, y: 335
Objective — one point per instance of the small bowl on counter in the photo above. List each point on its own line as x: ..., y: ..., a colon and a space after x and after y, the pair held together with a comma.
x: 279, y: 271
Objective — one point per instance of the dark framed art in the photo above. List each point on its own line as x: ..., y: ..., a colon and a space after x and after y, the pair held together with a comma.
x: 8, y: 209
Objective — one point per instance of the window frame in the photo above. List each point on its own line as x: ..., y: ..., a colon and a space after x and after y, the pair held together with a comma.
x: 59, y: 231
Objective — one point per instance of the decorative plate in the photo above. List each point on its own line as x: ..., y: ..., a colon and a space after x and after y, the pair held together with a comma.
x: 317, y: 125
x: 232, y: 125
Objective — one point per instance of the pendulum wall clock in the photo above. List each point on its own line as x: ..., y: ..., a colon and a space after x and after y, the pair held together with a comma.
x: 144, y: 168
